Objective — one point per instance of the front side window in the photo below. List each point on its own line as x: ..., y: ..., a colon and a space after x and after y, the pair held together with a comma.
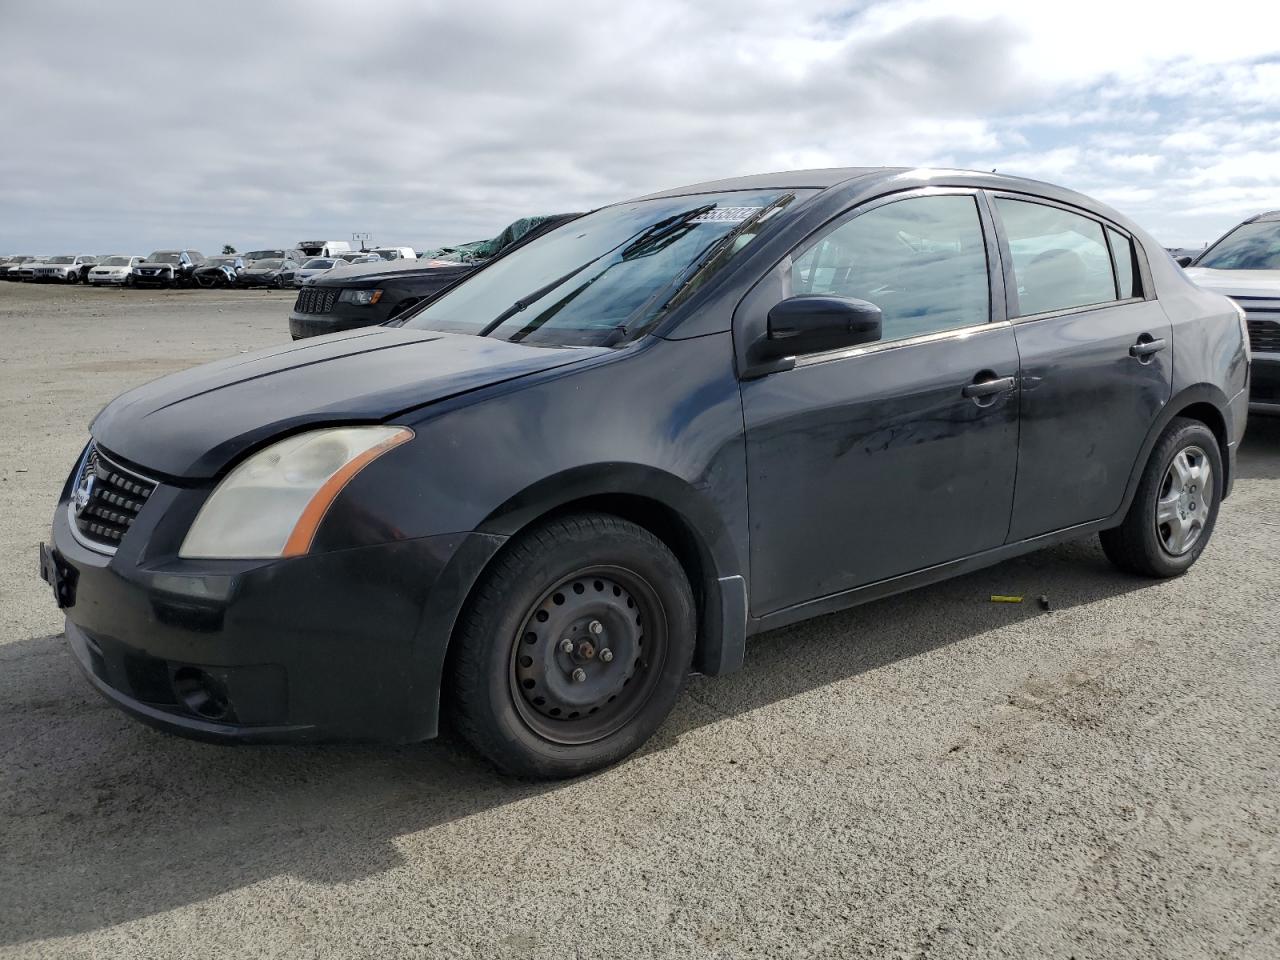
x: 604, y: 277
x: 922, y: 261
x: 1250, y: 246
x: 1060, y: 259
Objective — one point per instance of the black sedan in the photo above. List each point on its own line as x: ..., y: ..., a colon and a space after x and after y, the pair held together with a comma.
x: 364, y: 296
x: 539, y: 501
x: 269, y: 273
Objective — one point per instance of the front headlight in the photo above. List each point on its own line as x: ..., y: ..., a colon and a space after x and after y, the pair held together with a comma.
x: 365, y: 298
x: 272, y: 504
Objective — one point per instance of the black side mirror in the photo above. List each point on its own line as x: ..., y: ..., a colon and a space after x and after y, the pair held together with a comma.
x: 812, y: 324
x: 1184, y: 261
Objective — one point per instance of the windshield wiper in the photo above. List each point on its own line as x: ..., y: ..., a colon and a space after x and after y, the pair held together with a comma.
x: 649, y: 235
x: 531, y: 298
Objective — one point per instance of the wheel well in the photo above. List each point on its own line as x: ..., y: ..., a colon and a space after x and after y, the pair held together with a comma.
x: 1212, y: 418
x: 660, y: 520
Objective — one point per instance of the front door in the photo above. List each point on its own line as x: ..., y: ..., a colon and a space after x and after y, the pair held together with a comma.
x: 1097, y: 363
x: 889, y: 458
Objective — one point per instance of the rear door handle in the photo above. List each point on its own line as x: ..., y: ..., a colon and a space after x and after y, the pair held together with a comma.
x: 1146, y: 347
x: 987, y: 388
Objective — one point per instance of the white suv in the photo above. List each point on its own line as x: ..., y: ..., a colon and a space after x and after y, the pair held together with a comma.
x: 1245, y: 265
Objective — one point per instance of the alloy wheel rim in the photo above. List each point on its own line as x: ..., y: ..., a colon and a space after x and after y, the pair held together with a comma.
x: 1184, y: 501
x: 588, y: 655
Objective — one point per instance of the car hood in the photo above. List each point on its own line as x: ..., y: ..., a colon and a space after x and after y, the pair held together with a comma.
x: 1237, y: 283
x: 371, y: 274
x: 193, y: 424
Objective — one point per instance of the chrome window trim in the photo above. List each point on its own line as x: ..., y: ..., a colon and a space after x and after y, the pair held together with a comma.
x: 1086, y: 308
x: 956, y: 333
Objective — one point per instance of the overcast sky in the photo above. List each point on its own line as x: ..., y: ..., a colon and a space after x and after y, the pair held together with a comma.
x: 132, y: 126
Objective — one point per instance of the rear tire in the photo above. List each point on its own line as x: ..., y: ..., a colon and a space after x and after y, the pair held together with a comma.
x: 618, y: 598
x: 1174, y: 511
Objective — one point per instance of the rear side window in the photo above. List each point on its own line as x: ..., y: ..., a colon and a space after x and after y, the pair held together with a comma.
x: 1060, y: 259
x: 1127, y: 284
x: 922, y: 261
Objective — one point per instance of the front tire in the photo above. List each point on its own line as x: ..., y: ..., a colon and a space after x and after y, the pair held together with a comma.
x: 1174, y: 511
x: 573, y: 647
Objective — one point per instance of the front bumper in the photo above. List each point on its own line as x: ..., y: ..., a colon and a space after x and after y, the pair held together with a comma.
x: 346, y: 645
x: 163, y: 279
x: 342, y: 316
x: 118, y: 279
x: 1264, y: 383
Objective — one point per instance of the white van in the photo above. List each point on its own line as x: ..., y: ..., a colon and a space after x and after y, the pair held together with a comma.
x: 324, y: 248
x: 395, y: 253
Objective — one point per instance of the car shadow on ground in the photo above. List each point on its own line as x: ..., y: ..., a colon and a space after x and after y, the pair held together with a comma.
x: 1260, y: 451
x: 106, y: 821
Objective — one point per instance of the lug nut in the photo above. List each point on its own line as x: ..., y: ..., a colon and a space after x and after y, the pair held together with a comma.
x: 566, y: 645
x: 596, y: 627
x: 579, y: 675
x: 606, y: 654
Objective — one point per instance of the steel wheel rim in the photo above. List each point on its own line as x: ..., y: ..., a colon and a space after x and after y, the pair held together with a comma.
x: 1184, y: 501
x: 567, y: 709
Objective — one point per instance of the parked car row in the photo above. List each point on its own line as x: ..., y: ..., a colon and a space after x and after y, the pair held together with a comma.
x: 278, y: 267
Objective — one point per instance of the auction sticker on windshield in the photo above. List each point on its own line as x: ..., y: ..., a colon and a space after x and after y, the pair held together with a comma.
x: 726, y: 215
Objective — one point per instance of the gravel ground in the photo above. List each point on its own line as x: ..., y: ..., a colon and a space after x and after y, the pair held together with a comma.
x: 931, y: 775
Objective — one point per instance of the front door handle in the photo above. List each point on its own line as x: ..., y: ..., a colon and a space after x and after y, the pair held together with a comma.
x: 987, y: 388
x: 1146, y: 347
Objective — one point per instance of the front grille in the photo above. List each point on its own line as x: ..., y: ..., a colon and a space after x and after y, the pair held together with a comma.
x: 315, y: 300
x: 106, y: 499
x: 1264, y: 335
x: 1262, y: 316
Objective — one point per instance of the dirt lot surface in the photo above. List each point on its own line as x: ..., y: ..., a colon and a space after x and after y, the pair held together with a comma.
x: 932, y: 775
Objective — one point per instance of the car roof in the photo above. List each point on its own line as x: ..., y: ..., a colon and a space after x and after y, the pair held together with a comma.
x: 865, y: 181
x: 818, y: 179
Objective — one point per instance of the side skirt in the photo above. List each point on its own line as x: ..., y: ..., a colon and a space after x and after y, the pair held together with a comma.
x: 919, y: 578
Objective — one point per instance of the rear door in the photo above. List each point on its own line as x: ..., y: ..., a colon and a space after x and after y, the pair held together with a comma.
x: 1097, y: 360
x: 868, y: 463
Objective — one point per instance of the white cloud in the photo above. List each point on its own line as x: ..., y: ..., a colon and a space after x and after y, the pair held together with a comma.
x: 430, y: 123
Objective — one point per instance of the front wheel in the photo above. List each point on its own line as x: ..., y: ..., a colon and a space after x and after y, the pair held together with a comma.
x: 573, y: 648
x: 1174, y: 511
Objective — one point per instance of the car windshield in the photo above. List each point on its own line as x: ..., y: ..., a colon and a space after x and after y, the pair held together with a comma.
x: 263, y: 254
x: 1250, y: 246
x: 116, y: 262
x: 318, y: 264
x: 220, y: 261
x: 62, y: 259
x: 268, y: 264
x: 162, y: 257
x: 605, y: 276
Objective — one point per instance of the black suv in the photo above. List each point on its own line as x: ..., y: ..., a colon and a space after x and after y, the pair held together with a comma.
x: 364, y: 295
x: 625, y: 447
x: 167, y: 268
